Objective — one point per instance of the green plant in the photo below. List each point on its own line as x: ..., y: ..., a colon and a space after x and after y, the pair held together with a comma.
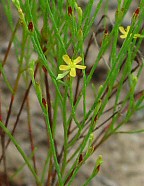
x: 65, y: 27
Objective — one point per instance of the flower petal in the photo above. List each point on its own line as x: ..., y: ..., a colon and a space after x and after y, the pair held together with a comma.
x: 122, y: 30
x: 67, y: 59
x: 77, y: 60
x: 127, y: 29
x: 80, y: 66
x: 64, y: 67
x: 73, y: 72
x: 137, y: 35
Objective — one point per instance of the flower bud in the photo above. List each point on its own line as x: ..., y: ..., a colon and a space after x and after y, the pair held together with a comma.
x: 136, y: 13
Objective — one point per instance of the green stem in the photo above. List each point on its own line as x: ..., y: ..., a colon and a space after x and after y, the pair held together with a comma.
x: 65, y: 131
x: 53, y: 147
x: 26, y: 159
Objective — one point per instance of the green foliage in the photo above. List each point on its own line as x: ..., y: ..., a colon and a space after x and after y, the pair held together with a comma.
x: 51, y: 29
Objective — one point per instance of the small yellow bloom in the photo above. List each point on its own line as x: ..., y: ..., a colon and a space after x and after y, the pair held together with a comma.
x: 71, y: 65
x: 126, y: 31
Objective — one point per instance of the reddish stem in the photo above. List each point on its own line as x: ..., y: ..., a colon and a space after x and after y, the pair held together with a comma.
x: 31, y: 134
x: 20, y: 111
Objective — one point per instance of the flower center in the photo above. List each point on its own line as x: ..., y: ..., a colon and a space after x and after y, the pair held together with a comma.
x: 72, y: 65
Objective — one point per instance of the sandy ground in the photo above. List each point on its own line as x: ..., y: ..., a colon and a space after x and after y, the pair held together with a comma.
x: 122, y: 154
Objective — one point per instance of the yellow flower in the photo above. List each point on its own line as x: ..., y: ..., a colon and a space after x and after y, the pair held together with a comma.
x: 126, y: 31
x: 71, y: 65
